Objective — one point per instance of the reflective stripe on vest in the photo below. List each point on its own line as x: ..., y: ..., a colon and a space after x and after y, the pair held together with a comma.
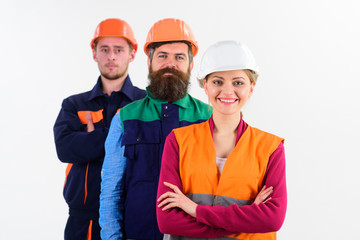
x: 243, y: 173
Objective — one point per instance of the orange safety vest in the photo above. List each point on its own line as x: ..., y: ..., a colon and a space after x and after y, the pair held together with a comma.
x: 241, y: 178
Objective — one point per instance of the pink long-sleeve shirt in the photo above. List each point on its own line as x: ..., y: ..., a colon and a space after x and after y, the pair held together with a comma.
x: 216, y: 221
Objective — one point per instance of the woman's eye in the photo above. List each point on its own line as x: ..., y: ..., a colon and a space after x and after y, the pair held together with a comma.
x: 238, y: 83
x: 216, y: 82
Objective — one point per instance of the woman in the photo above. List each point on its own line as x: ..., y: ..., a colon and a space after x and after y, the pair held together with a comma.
x: 214, y: 174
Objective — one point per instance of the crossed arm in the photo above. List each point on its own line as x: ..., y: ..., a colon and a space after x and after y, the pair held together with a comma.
x: 176, y: 198
x: 178, y: 215
x: 74, y: 143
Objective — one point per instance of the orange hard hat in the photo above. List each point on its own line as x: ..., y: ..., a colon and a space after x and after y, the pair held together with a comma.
x: 171, y: 29
x: 114, y: 27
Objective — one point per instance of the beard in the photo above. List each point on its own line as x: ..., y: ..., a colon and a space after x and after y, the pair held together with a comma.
x: 168, y: 88
x: 114, y: 76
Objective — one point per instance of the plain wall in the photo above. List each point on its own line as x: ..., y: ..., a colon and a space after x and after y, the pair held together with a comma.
x: 307, y: 92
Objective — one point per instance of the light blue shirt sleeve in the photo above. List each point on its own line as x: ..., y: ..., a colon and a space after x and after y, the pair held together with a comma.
x: 112, y: 183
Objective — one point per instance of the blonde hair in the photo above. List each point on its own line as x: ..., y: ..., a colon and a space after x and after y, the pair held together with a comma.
x: 250, y: 73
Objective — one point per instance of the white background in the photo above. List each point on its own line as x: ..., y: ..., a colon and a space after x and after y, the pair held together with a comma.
x: 308, y: 93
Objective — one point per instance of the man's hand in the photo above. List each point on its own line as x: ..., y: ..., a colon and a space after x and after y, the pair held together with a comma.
x: 89, y: 123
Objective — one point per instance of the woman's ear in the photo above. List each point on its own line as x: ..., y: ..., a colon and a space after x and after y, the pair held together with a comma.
x: 252, y: 89
x: 205, y: 86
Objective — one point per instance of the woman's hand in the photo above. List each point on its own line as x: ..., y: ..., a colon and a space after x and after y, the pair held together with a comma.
x: 174, y: 199
x: 263, y: 195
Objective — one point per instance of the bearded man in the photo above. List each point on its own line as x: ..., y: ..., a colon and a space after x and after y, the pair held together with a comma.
x: 134, y: 146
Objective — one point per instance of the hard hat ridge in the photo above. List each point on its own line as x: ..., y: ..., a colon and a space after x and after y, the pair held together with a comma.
x: 171, y: 30
x: 114, y: 27
x: 226, y: 56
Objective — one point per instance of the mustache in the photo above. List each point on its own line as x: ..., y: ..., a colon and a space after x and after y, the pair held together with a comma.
x: 168, y: 87
x: 111, y: 64
x: 163, y: 71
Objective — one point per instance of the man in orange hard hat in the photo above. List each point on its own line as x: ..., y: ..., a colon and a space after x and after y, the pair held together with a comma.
x: 82, y: 125
x: 137, y: 134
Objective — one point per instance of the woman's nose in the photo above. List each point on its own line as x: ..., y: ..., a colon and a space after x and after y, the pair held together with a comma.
x: 228, y: 88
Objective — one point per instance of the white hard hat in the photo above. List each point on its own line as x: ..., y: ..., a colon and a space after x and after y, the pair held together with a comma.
x: 226, y: 56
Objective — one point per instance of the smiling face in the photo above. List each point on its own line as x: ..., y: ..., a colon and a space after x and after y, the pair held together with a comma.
x: 113, y: 55
x: 228, y: 91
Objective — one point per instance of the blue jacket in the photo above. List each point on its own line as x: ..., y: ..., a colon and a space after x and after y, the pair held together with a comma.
x: 84, y: 151
x: 132, y: 164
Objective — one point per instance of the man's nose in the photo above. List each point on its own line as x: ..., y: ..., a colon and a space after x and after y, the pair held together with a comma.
x: 170, y: 63
x: 112, y: 55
